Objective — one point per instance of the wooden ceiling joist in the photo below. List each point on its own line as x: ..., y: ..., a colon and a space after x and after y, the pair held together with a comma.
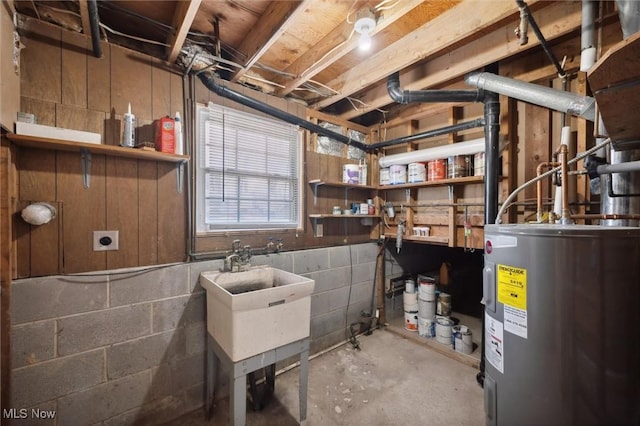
x: 275, y: 21
x: 555, y: 20
x: 84, y: 17
x: 308, y: 65
x: 455, y: 26
x: 183, y: 17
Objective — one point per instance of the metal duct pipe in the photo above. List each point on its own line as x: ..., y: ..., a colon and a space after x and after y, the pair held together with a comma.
x: 430, y: 133
x: 629, y: 13
x: 580, y: 106
x: 94, y: 23
x: 587, y: 43
x: 631, y: 166
x: 410, y: 96
x: 437, y: 152
x: 210, y: 83
x: 623, y: 187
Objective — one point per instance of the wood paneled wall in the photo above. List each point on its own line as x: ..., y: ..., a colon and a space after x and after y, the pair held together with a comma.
x: 65, y: 86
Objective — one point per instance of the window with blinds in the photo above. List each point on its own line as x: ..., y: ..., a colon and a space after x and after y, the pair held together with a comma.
x: 249, y: 170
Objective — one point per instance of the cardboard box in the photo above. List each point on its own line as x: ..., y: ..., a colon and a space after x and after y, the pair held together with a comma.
x: 165, y: 135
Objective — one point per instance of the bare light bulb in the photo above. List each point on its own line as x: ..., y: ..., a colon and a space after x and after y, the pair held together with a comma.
x: 365, y: 42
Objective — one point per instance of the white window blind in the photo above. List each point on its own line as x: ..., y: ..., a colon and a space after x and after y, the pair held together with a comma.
x: 249, y: 171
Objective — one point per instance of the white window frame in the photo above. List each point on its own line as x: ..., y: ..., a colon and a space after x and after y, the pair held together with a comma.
x: 235, y: 122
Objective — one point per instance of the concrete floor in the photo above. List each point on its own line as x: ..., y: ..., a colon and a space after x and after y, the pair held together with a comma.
x: 390, y: 381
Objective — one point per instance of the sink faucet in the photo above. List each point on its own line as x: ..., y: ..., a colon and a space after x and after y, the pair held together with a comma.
x: 238, y: 258
x: 232, y: 262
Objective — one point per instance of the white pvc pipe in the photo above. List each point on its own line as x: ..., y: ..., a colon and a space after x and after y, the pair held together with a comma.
x: 443, y: 151
x: 565, y: 137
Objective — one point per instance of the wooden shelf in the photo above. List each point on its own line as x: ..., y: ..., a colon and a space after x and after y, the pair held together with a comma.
x: 343, y: 216
x: 416, y: 239
x: 318, y: 182
x: 112, y: 150
x: 442, y: 182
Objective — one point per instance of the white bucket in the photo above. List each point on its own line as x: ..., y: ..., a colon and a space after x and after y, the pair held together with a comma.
x: 427, y: 309
x: 384, y: 176
x: 427, y: 290
x: 397, y: 174
x: 462, y: 339
x: 417, y: 172
x: 443, y: 330
x: 410, y: 301
x: 426, y: 327
x: 411, y: 320
x: 351, y: 173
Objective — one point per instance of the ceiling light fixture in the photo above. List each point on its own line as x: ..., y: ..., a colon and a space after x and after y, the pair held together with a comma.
x: 365, y: 23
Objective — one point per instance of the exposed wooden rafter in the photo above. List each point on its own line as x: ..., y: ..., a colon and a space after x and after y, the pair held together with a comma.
x: 430, y: 39
x: 183, y: 17
x: 84, y: 16
x: 274, y: 22
x: 555, y: 20
x: 335, y: 45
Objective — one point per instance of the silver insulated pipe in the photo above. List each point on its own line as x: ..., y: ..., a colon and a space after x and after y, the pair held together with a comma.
x: 620, y: 191
x: 629, y: 13
x: 558, y: 100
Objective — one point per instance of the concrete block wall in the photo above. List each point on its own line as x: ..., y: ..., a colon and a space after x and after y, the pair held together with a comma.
x: 128, y: 347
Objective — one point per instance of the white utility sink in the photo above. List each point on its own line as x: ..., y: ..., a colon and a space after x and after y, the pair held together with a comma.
x: 253, y: 311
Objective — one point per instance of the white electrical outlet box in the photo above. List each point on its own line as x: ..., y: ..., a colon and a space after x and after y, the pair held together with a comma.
x: 105, y: 240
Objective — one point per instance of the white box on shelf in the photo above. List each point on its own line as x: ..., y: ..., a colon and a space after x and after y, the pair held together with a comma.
x: 41, y: 131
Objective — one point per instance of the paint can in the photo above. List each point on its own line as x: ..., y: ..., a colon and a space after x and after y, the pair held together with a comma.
x: 437, y: 169
x: 426, y: 309
x: 410, y: 286
x: 411, y: 320
x: 384, y: 176
x: 459, y: 166
x: 462, y: 339
x: 444, y: 305
x: 417, y: 172
x: 410, y: 301
x: 427, y: 288
x: 426, y: 327
x: 397, y: 174
x: 478, y: 164
x: 443, y: 330
x: 351, y: 173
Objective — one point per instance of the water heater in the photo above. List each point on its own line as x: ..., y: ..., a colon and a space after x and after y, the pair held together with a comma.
x: 562, y: 324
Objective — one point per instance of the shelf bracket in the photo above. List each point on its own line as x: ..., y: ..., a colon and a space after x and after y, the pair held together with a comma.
x: 86, y: 167
x: 179, y: 175
x: 315, y: 195
x: 318, y: 226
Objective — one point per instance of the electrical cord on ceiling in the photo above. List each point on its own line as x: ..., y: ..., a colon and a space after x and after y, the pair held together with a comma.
x: 349, y: 12
x: 380, y: 7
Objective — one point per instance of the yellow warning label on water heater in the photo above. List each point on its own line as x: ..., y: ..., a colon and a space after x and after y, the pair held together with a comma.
x: 512, y: 286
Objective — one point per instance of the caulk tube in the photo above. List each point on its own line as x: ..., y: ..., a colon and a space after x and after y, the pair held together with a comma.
x: 179, y: 149
x: 129, y: 135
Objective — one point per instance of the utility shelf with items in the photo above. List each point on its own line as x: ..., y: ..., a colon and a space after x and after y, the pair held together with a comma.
x: 437, y: 215
x: 86, y: 149
x: 345, y: 212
